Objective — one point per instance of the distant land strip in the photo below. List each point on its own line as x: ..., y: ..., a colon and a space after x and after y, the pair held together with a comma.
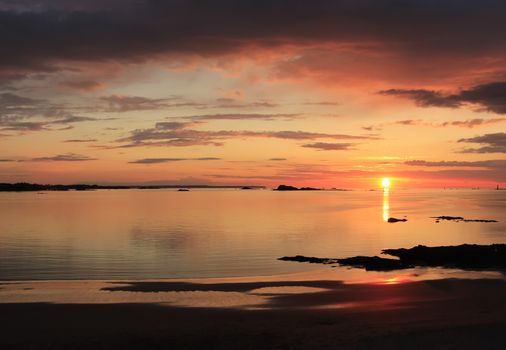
x: 27, y: 187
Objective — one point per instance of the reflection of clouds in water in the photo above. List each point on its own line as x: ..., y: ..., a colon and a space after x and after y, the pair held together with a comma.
x: 386, y: 204
x: 167, y: 240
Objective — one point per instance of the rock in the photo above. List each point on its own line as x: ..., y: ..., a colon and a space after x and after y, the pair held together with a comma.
x: 449, y: 218
x: 183, y: 190
x: 292, y: 188
x: 392, y: 220
x: 467, y: 256
x: 286, y: 188
x: 374, y: 263
x: 309, y: 259
x: 459, y: 219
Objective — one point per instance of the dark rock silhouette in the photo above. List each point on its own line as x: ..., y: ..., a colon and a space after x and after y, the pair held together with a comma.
x: 309, y: 259
x: 183, y: 190
x: 374, y: 263
x: 461, y: 256
x: 466, y: 256
x: 459, y: 219
x: 292, y: 188
x: 393, y: 220
x: 370, y: 263
x: 449, y: 218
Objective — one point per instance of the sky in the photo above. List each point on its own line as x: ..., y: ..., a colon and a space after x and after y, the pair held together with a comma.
x: 307, y: 93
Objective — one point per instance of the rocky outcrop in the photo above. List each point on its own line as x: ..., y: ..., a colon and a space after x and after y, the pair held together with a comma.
x: 466, y: 256
x: 292, y: 188
x: 393, y: 220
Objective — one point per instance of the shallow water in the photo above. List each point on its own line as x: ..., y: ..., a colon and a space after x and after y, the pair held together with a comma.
x: 218, y: 233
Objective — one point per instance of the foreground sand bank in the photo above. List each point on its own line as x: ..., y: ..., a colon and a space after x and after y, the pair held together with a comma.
x: 295, y: 312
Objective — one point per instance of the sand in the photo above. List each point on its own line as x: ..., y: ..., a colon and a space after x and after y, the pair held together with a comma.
x: 302, y: 311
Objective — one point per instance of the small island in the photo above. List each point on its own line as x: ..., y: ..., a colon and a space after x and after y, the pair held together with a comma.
x: 292, y: 188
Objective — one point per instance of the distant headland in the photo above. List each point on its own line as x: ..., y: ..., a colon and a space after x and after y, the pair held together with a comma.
x: 293, y: 188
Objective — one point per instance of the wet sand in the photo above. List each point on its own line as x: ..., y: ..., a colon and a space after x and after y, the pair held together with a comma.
x: 305, y: 311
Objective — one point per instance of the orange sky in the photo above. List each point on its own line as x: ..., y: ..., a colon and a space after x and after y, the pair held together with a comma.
x: 327, y: 94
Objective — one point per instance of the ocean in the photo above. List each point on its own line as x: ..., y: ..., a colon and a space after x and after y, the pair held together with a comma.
x: 119, y: 234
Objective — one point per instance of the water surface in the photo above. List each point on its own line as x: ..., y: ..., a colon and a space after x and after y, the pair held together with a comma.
x: 114, y: 234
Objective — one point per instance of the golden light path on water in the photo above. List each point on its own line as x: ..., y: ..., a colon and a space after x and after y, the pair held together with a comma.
x: 386, y: 204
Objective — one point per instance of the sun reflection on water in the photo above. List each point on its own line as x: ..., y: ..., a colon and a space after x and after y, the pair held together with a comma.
x: 386, y: 204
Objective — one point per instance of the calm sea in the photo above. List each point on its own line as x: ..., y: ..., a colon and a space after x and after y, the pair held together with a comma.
x: 113, y: 234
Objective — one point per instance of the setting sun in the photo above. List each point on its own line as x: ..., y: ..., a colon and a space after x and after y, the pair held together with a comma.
x: 385, y: 183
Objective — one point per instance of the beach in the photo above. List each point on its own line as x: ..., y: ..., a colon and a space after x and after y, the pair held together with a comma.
x: 297, y: 311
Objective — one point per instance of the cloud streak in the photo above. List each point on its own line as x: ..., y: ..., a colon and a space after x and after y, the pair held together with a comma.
x: 168, y: 160
x: 67, y: 157
x: 493, y: 143
x: 468, y: 123
x: 325, y: 146
x: 497, y: 163
x: 243, y: 116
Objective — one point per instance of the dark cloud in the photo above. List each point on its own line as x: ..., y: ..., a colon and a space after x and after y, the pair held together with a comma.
x: 490, y: 97
x: 25, y: 114
x: 278, y: 159
x: 425, y: 98
x: 37, y: 35
x: 167, y: 160
x: 468, y: 123
x: 206, y: 158
x: 6, y: 160
x: 72, y: 119
x: 12, y: 101
x: 22, y: 126
x: 324, y: 146
x: 80, y: 140
x: 471, y: 123
x: 120, y: 103
x: 67, y: 157
x: 174, y: 125
x: 13, y: 124
x: 498, y: 163
x: 492, y: 143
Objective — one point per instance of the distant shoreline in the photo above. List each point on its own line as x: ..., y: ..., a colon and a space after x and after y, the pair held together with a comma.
x: 28, y: 187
